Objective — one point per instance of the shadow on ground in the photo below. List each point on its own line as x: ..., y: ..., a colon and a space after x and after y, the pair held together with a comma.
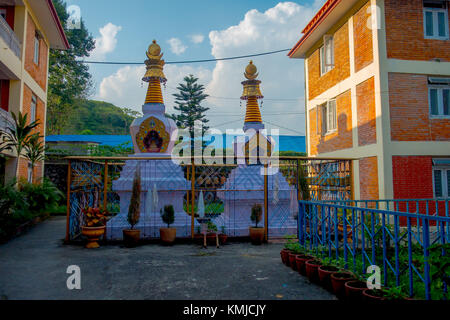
x: 34, y: 267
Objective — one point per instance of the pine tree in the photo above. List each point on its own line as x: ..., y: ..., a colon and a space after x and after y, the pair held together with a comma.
x: 188, y: 103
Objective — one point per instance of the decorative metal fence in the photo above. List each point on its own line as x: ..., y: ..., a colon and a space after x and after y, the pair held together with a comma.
x: 229, y: 192
x: 411, y: 256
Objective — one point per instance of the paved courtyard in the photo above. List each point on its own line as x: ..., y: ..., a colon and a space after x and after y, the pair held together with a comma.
x: 34, y: 265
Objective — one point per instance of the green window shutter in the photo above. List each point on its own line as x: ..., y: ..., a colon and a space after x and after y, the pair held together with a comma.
x: 429, y: 23
x: 438, y: 183
x: 434, y: 102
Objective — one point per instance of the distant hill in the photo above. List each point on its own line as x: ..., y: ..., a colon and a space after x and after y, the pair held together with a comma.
x: 98, y: 118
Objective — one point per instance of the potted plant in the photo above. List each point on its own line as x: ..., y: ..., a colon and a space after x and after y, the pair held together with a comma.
x: 256, y: 233
x: 284, y: 253
x: 311, y: 267
x: 211, y: 232
x: 223, y: 236
x: 131, y: 236
x: 338, y: 280
x: 300, y: 261
x: 168, y: 234
x: 374, y: 295
x: 325, y: 270
x: 94, y: 225
x: 354, y: 289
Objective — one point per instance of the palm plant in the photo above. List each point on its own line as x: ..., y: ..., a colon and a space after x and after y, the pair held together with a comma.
x: 17, y: 136
x: 34, y: 150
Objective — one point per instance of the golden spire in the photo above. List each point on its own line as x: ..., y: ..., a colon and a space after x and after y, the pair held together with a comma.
x: 154, y: 75
x: 252, y: 93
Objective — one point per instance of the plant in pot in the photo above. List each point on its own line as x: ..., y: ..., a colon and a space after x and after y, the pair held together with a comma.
x: 354, y: 288
x: 211, y: 232
x: 311, y: 269
x: 168, y: 234
x: 327, y: 268
x: 338, y: 280
x: 131, y: 236
x: 94, y: 225
x: 288, y: 247
x: 256, y: 233
x: 223, y: 236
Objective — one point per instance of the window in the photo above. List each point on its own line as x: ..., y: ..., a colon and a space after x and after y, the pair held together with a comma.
x: 441, y: 181
x: 435, y: 20
x: 329, y: 119
x: 36, y: 49
x: 439, y: 97
x: 327, y: 55
x: 33, y: 108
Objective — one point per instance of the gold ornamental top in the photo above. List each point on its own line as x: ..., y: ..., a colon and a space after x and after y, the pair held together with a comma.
x: 154, y: 63
x: 251, y: 85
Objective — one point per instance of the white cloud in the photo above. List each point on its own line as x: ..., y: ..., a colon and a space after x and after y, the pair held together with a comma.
x: 176, y: 46
x: 107, y: 41
x: 197, y: 38
x: 126, y: 89
x: 277, y: 28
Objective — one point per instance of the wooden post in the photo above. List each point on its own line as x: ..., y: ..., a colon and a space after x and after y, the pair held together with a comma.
x: 266, y: 203
x: 105, y: 186
x: 69, y: 182
x: 192, y: 198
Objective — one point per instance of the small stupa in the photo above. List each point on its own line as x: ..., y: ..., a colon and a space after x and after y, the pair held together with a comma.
x: 248, y: 178
x: 153, y: 135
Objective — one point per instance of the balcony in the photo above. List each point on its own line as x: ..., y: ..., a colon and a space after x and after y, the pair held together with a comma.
x: 8, y: 35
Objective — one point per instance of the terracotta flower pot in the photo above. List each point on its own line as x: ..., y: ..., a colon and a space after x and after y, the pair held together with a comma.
x: 285, y: 256
x: 325, y: 275
x: 223, y: 238
x: 311, y: 267
x: 373, y: 295
x: 131, y: 237
x: 93, y: 234
x: 354, y: 289
x: 256, y: 235
x: 168, y: 235
x: 300, y: 260
x: 338, y: 280
x: 292, y: 263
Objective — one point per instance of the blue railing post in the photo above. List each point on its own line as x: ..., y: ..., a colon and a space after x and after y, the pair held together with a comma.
x: 301, y: 215
x: 426, y: 255
x: 410, y: 270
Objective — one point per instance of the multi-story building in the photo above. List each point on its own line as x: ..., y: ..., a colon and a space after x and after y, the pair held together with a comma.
x: 378, y: 89
x: 28, y: 29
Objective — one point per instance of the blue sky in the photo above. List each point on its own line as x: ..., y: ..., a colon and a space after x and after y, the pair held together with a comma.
x: 191, y: 30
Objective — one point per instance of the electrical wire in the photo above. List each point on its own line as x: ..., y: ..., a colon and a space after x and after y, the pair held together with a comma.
x: 191, y: 61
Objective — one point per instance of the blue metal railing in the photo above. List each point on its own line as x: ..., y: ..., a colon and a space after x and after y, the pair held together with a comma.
x: 398, y: 242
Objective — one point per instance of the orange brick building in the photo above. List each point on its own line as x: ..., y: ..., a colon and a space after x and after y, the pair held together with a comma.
x: 378, y: 89
x: 28, y: 29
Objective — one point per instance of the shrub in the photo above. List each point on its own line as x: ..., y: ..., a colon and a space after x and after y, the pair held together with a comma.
x: 42, y: 198
x: 168, y: 216
x: 134, y: 210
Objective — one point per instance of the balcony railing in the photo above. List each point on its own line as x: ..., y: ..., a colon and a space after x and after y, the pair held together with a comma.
x: 8, y: 35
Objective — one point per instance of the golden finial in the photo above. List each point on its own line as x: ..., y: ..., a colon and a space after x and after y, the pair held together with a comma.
x: 155, y: 63
x: 154, y: 51
x: 251, y: 71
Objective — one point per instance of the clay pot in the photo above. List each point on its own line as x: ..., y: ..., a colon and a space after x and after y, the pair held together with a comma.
x: 223, y: 238
x: 311, y: 267
x: 373, y: 295
x: 168, y: 235
x: 285, y: 256
x: 354, y: 289
x: 338, y: 280
x: 300, y: 260
x: 93, y: 234
x: 324, y: 273
x: 256, y: 235
x: 131, y: 237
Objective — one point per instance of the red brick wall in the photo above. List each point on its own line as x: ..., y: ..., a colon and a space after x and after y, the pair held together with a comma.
x: 412, y: 177
x: 362, y: 36
x: 342, y: 138
x: 410, y: 111
x: 368, y: 178
x: 317, y: 83
x: 37, y: 72
x: 405, y: 33
x: 365, y: 101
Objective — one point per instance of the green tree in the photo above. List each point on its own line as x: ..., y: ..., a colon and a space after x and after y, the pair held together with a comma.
x: 34, y: 151
x: 69, y: 79
x: 188, y: 103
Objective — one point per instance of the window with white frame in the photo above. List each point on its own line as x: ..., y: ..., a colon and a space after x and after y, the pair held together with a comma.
x: 327, y: 54
x: 36, y: 49
x: 33, y: 108
x: 439, y: 97
x: 435, y: 19
x: 441, y: 178
x: 329, y: 117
